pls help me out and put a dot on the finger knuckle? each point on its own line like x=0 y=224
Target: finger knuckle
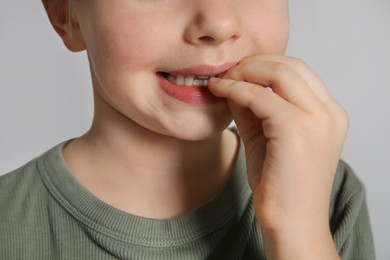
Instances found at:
x=279 y=69
x=342 y=119
x=235 y=85
x=298 y=62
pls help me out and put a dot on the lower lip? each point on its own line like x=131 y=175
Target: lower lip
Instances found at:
x=189 y=95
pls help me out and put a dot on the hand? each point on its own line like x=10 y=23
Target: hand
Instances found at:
x=293 y=132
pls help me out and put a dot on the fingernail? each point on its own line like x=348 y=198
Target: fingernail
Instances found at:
x=214 y=79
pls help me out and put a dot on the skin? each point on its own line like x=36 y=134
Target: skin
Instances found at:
x=171 y=157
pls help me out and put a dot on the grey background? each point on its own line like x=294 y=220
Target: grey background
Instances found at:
x=45 y=95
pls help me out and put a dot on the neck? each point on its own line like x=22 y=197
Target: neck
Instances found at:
x=148 y=174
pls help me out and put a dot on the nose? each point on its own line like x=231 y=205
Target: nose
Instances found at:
x=213 y=22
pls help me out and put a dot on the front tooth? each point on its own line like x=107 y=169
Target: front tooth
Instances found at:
x=189 y=80
x=180 y=80
x=198 y=82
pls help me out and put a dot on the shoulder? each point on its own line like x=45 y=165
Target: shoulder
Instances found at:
x=26 y=182
x=347 y=186
x=24 y=189
x=18 y=188
x=19 y=180
x=348 y=193
x=349 y=216
x=24 y=214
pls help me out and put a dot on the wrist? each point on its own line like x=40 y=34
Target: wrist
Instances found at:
x=299 y=240
x=292 y=233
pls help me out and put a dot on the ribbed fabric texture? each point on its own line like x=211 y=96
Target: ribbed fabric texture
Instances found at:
x=46 y=214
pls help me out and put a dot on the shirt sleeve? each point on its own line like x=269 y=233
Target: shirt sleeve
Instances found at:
x=349 y=216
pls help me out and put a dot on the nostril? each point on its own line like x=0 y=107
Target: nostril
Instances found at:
x=207 y=39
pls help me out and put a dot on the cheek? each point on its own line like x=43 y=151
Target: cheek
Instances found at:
x=269 y=27
x=126 y=43
x=120 y=60
x=118 y=49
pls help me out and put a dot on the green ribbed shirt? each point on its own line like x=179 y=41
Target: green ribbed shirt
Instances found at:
x=46 y=214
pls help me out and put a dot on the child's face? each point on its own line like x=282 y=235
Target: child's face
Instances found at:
x=132 y=44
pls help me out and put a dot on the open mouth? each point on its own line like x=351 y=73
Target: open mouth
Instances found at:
x=190 y=80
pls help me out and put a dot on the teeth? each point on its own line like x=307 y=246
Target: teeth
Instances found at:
x=200 y=82
x=203 y=77
x=189 y=81
x=180 y=80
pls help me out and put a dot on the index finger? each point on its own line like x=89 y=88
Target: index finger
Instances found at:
x=284 y=81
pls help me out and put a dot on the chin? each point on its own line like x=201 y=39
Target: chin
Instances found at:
x=189 y=123
x=196 y=131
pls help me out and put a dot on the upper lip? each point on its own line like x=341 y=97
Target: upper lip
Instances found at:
x=203 y=70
